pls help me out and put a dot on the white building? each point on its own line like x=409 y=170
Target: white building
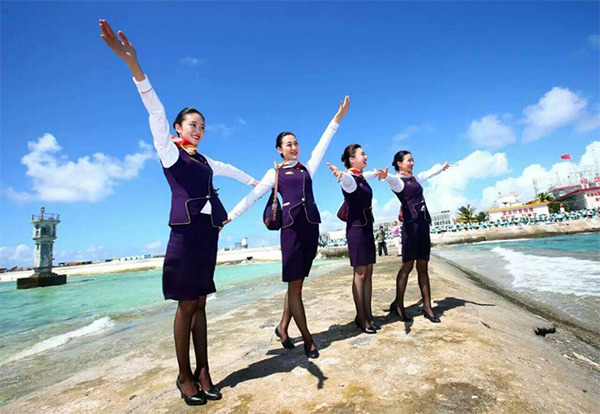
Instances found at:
x=518 y=211
x=582 y=196
x=442 y=218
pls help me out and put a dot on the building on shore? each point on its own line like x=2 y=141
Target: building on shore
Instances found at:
x=44 y=234
x=442 y=218
x=585 y=195
x=518 y=211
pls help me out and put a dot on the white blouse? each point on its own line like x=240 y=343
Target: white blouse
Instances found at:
x=167 y=150
x=268 y=181
x=349 y=184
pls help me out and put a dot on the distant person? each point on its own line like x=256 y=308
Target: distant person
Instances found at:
x=358 y=197
x=416 y=242
x=396 y=235
x=300 y=222
x=196 y=218
x=562 y=208
x=381 y=245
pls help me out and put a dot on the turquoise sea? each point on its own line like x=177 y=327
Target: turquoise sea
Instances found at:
x=48 y=334
x=561 y=272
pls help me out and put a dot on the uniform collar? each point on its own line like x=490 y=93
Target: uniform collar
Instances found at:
x=291 y=164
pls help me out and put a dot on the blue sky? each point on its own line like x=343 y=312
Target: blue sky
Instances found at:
x=501 y=90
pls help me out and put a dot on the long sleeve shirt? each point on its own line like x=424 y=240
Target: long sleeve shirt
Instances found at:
x=349 y=184
x=167 y=150
x=268 y=181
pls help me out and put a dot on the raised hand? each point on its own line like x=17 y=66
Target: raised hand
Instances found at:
x=122 y=48
x=336 y=172
x=382 y=174
x=445 y=166
x=343 y=110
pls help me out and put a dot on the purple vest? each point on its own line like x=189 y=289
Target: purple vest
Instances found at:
x=295 y=187
x=412 y=200
x=190 y=179
x=360 y=212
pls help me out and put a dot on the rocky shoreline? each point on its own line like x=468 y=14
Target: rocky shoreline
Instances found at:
x=483 y=357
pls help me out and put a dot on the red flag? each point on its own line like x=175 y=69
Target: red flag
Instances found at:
x=565 y=157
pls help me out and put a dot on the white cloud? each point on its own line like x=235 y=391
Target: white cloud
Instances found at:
x=55 y=178
x=21 y=256
x=561 y=173
x=154 y=246
x=446 y=190
x=490 y=132
x=558 y=107
x=409 y=131
x=330 y=221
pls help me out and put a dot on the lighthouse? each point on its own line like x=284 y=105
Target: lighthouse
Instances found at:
x=44 y=234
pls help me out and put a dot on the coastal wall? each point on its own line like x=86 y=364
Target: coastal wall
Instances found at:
x=517 y=232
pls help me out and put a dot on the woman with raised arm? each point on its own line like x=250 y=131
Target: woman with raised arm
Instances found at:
x=358 y=197
x=416 y=242
x=300 y=222
x=196 y=218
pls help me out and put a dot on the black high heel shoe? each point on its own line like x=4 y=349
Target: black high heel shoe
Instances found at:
x=375 y=326
x=433 y=318
x=197 y=399
x=287 y=344
x=212 y=394
x=394 y=310
x=314 y=354
x=368 y=330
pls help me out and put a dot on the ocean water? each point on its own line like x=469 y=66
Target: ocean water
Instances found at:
x=50 y=333
x=561 y=272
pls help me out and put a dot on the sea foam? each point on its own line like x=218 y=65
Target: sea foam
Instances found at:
x=60 y=340
x=560 y=274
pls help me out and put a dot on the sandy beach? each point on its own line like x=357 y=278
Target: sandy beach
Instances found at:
x=483 y=357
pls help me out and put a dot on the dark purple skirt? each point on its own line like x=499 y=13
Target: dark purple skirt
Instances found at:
x=190 y=261
x=361 y=245
x=299 y=244
x=416 y=243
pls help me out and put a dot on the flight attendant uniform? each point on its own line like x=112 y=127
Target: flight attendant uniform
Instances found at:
x=416 y=242
x=299 y=235
x=196 y=213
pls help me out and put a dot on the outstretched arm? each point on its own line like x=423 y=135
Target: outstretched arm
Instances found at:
x=344 y=178
x=317 y=155
x=424 y=176
x=159 y=125
x=265 y=185
x=228 y=170
x=395 y=182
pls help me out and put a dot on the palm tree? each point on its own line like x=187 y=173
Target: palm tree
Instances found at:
x=465 y=214
x=481 y=217
x=553 y=206
x=544 y=196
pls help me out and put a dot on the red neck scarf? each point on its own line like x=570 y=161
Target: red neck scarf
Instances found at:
x=185 y=144
x=356 y=172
